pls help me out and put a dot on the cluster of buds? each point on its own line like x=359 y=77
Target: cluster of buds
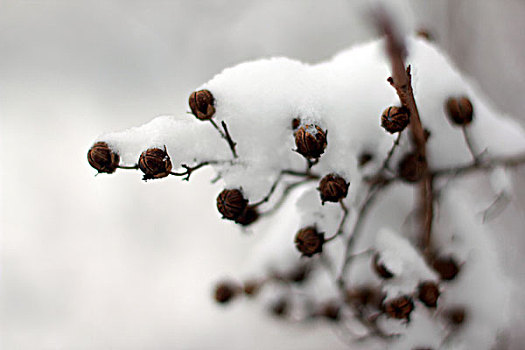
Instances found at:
x=233 y=206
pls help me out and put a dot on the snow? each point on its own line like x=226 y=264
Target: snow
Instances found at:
x=345 y=96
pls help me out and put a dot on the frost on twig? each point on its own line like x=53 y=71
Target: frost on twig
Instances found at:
x=302 y=148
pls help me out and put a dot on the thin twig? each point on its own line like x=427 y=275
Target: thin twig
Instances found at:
x=470 y=146
x=508 y=162
x=190 y=170
x=134 y=167
x=340 y=228
x=225 y=135
x=386 y=163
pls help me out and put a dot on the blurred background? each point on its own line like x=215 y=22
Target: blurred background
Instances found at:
x=113 y=262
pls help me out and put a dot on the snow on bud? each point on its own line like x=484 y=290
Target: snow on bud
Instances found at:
x=310 y=141
x=155 y=163
x=102 y=158
x=202 y=104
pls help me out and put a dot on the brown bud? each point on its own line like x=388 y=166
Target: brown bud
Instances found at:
x=295 y=123
x=380 y=268
x=155 y=163
x=309 y=242
x=428 y=293
x=225 y=291
x=310 y=141
x=251 y=287
x=459 y=110
x=248 y=216
x=298 y=274
x=425 y=34
x=201 y=104
x=399 y=308
x=333 y=188
x=364 y=296
x=456 y=316
x=102 y=158
x=331 y=311
x=395 y=119
x=364 y=158
x=280 y=308
x=446 y=267
x=231 y=204
x=411 y=168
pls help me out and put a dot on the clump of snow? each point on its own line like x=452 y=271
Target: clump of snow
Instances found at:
x=345 y=96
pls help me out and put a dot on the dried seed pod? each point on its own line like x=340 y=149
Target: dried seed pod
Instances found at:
x=308 y=241
x=102 y=158
x=225 y=291
x=411 y=168
x=251 y=287
x=395 y=119
x=364 y=158
x=248 y=216
x=202 y=104
x=296 y=122
x=333 y=188
x=428 y=293
x=364 y=296
x=380 y=268
x=446 y=267
x=310 y=141
x=399 y=308
x=456 y=316
x=298 y=274
x=231 y=204
x=330 y=310
x=280 y=308
x=155 y=163
x=459 y=110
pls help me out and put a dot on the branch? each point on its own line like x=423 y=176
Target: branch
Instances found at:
x=225 y=135
x=508 y=162
x=401 y=81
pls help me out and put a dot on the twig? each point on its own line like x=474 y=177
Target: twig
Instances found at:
x=484 y=165
x=225 y=135
x=386 y=163
x=190 y=170
x=401 y=81
x=128 y=166
x=356 y=230
x=341 y=223
x=468 y=141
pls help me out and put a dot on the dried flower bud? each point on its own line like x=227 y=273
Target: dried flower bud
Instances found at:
x=364 y=158
x=280 y=308
x=333 y=188
x=310 y=141
x=331 y=311
x=225 y=291
x=231 y=204
x=296 y=122
x=428 y=293
x=298 y=274
x=309 y=242
x=425 y=34
x=395 y=119
x=399 y=308
x=364 y=296
x=251 y=287
x=459 y=110
x=446 y=267
x=380 y=268
x=201 y=104
x=102 y=158
x=455 y=316
x=248 y=216
x=411 y=168
x=155 y=163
